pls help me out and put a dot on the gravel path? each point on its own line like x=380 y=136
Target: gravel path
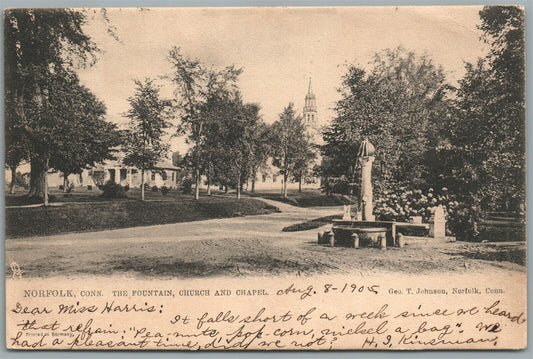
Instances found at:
x=241 y=246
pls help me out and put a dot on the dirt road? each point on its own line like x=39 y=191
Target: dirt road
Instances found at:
x=243 y=246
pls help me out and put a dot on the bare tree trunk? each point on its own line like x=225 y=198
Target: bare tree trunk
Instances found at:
x=253 y=185
x=300 y=184
x=197 y=186
x=13 y=177
x=45 y=184
x=208 y=185
x=142 y=184
x=226 y=189
x=239 y=184
x=285 y=184
x=65 y=182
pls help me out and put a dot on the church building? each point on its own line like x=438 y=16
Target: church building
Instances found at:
x=270 y=179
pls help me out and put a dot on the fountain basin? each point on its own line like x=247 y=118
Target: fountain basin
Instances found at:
x=346 y=228
x=368 y=236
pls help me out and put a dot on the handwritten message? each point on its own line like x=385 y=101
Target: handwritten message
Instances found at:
x=308 y=315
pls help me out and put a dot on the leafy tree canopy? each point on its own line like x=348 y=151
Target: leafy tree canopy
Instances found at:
x=289 y=143
x=81 y=135
x=399 y=106
x=487 y=132
x=148 y=115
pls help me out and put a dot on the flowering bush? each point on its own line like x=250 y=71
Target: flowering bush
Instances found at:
x=402 y=203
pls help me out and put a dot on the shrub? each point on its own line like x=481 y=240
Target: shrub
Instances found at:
x=164 y=190
x=462 y=218
x=464 y=221
x=89 y=188
x=155 y=189
x=113 y=190
x=126 y=188
x=186 y=186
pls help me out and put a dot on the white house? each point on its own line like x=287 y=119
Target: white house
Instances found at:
x=164 y=174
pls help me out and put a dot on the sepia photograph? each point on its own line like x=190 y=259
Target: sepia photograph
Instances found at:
x=265 y=178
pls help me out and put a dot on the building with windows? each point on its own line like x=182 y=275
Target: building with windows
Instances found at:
x=163 y=174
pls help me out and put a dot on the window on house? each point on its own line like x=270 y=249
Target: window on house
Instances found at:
x=274 y=178
x=264 y=178
x=172 y=176
x=153 y=175
x=164 y=175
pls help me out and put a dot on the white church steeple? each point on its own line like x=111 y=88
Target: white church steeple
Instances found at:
x=309 y=112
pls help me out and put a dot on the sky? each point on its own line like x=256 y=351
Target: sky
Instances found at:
x=279 y=49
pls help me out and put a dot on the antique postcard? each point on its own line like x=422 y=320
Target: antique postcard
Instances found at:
x=270 y=178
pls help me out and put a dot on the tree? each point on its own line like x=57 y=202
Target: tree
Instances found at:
x=399 y=106
x=289 y=143
x=487 y=131
x=195 y=85
x=16 y=146
x=40 y=46
x=177 y=159
x=83 y=137
x=148 y=120
x=241 y=140
x=261 y=150
x=302 y=167
x=231 y=134
x=15 y=154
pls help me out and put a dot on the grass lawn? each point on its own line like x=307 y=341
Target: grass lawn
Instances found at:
x=312 y=224
x=82 y=194
x=89 y=212
x=307 y=198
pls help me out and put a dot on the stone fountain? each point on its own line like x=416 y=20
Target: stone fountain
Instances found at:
x=363 y=230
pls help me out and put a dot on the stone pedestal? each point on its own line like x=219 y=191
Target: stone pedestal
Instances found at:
x=382 y=242
x=329 y=238
x=366 y=188
x=355 y=240
x=400 y=241
x=437 y=223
